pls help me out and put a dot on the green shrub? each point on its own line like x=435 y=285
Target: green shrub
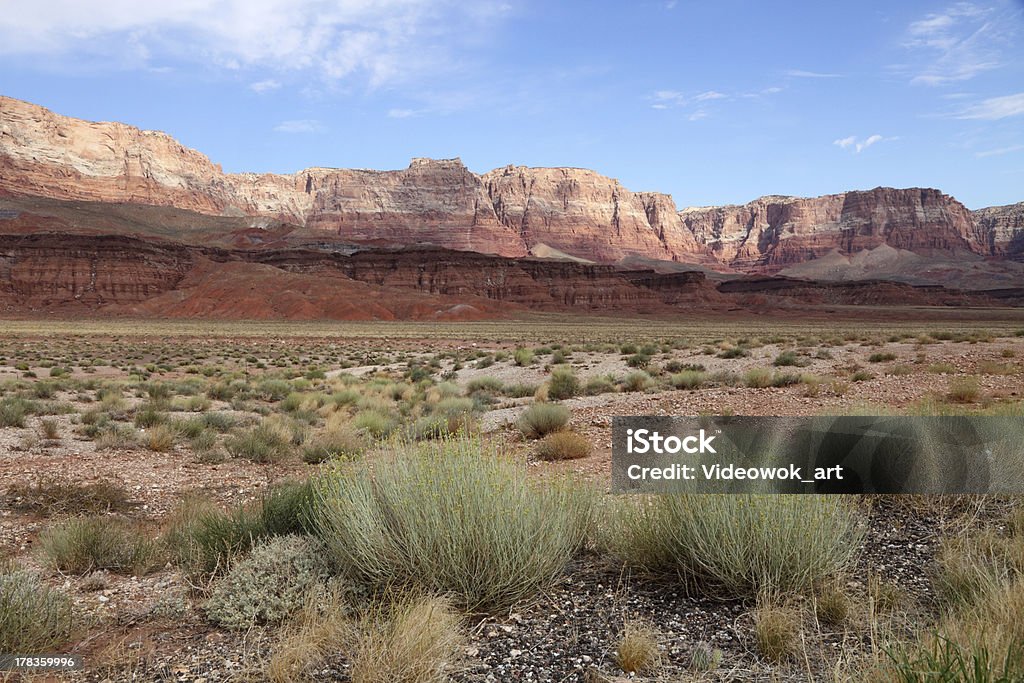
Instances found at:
x=375 y=423
x=687 y=379
x=964 y=390
x=33 y=617
x=456 y=519
x=736 y=545
x=117 y=437
x=340 y=443
x=638 y=360
x=523 y=357
x=519 y=390
x=540 y=419
x=788 y=359
x=13 y=412
x=563 y=446
x=266 y=442
x=86 y=544
x=268 y=585
x=564 y=384
x=637 y=380
x=734 y=352
x=485 y=385
x=202 y=539
x=881 y=357
x=943 y=661
x=599 y=385
x=757 y=378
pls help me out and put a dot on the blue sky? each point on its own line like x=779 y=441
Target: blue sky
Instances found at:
x=713 y=102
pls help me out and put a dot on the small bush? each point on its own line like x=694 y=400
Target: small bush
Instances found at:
x=564 y=384
x=637 y=381
x=963 y=390
x=687 y=379
x=638 y=360
x=33 y=617
x=637 y=650
x=777 y=632
x=117 y=437
x=861 y=376
x=881 y=357
x=268 y=585
x=54 y=497
x=757 y=378
x=734 y=352
x=266 y=442
x=563 y=446
x=736 y=545
x=203 y=539
x=86 y=544
x=540 y=419
x=375 y=423
x=788 y=359
x=523 y=357
x=13 y=412
x=397 y=527
x=160 y=438
x=341 y=443
x=599 y=385
x=415 y=641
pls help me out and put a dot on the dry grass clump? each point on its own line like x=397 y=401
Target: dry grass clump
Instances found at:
x=268 y=441
x=563 y=384
x=637 y=650
x=541 y=419
x=338 y=441
x=160 y=438
x=311 y=638
x=963 y=390
x=688 y=379
x=413 y=641
x=50 y=496
x=776 y=631
x=454 y=518
x=563 y=446
x=737 y=545
x=33 y=617
x=86 y=544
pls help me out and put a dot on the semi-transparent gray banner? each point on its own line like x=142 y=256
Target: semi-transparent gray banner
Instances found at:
x=906 y=454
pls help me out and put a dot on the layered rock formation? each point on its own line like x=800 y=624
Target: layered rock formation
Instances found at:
x=1003 y=228
x=771 y=233
x=512 y=211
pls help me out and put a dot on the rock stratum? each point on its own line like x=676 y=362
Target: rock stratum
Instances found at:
x=105 y=215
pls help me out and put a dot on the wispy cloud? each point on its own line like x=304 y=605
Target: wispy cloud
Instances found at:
x=378 y=43
x=404 y=113
x=265 y=86
x=698 y=115
x=999 y=151
x=956 y=44
x=663 y=99
x=709 y=95
x=801 y=73
x=857 y=145
x=995 y=108
x=300 y=126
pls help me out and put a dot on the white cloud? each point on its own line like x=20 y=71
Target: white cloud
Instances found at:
x=800 y=73
x=995 y=108
x=956 y=44
x=663 y=99
x=709 y=95
x=698 y=115
x=300 y=126
x=858 y=145
x=999 y=151
x=265 y=86
x=404 y=113
x=380 y=41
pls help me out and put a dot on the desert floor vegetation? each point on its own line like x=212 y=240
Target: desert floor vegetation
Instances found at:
x=428 y=502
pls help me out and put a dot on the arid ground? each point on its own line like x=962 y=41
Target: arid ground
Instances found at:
x=137 y=459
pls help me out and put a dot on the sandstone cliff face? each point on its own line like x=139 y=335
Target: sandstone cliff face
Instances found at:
x=509 y=211
x=773 y=232
x=1003 y=228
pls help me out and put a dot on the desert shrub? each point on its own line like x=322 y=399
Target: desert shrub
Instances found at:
x=963 y=390
x=273 y=389
x=736 y=545
x=757 y=378
x=784 y=379
x=148 y=416
x=788 y=359
x=687 y=379
x=941 y=369
x=202 y=539
x=776 y=632
x=376 y=423
x=413 y=641
x=221 y=422
x=85 y=544
x=55 y=497
x=266 y=442
x=339 y=442
x=523 y=357
x=599 y=385
x=637 y=380
x=563 y=446
x=160 y=438
x=485 y=385
x=33 y=617
x=268 y=585
x=637 y=650
x=13 y=411
x=861 y=376
x=519 y=390
x=564 y=384
x=881 y=357
x=734 y=352
x=540 y=419
x=116 y=437
x=406 y=524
